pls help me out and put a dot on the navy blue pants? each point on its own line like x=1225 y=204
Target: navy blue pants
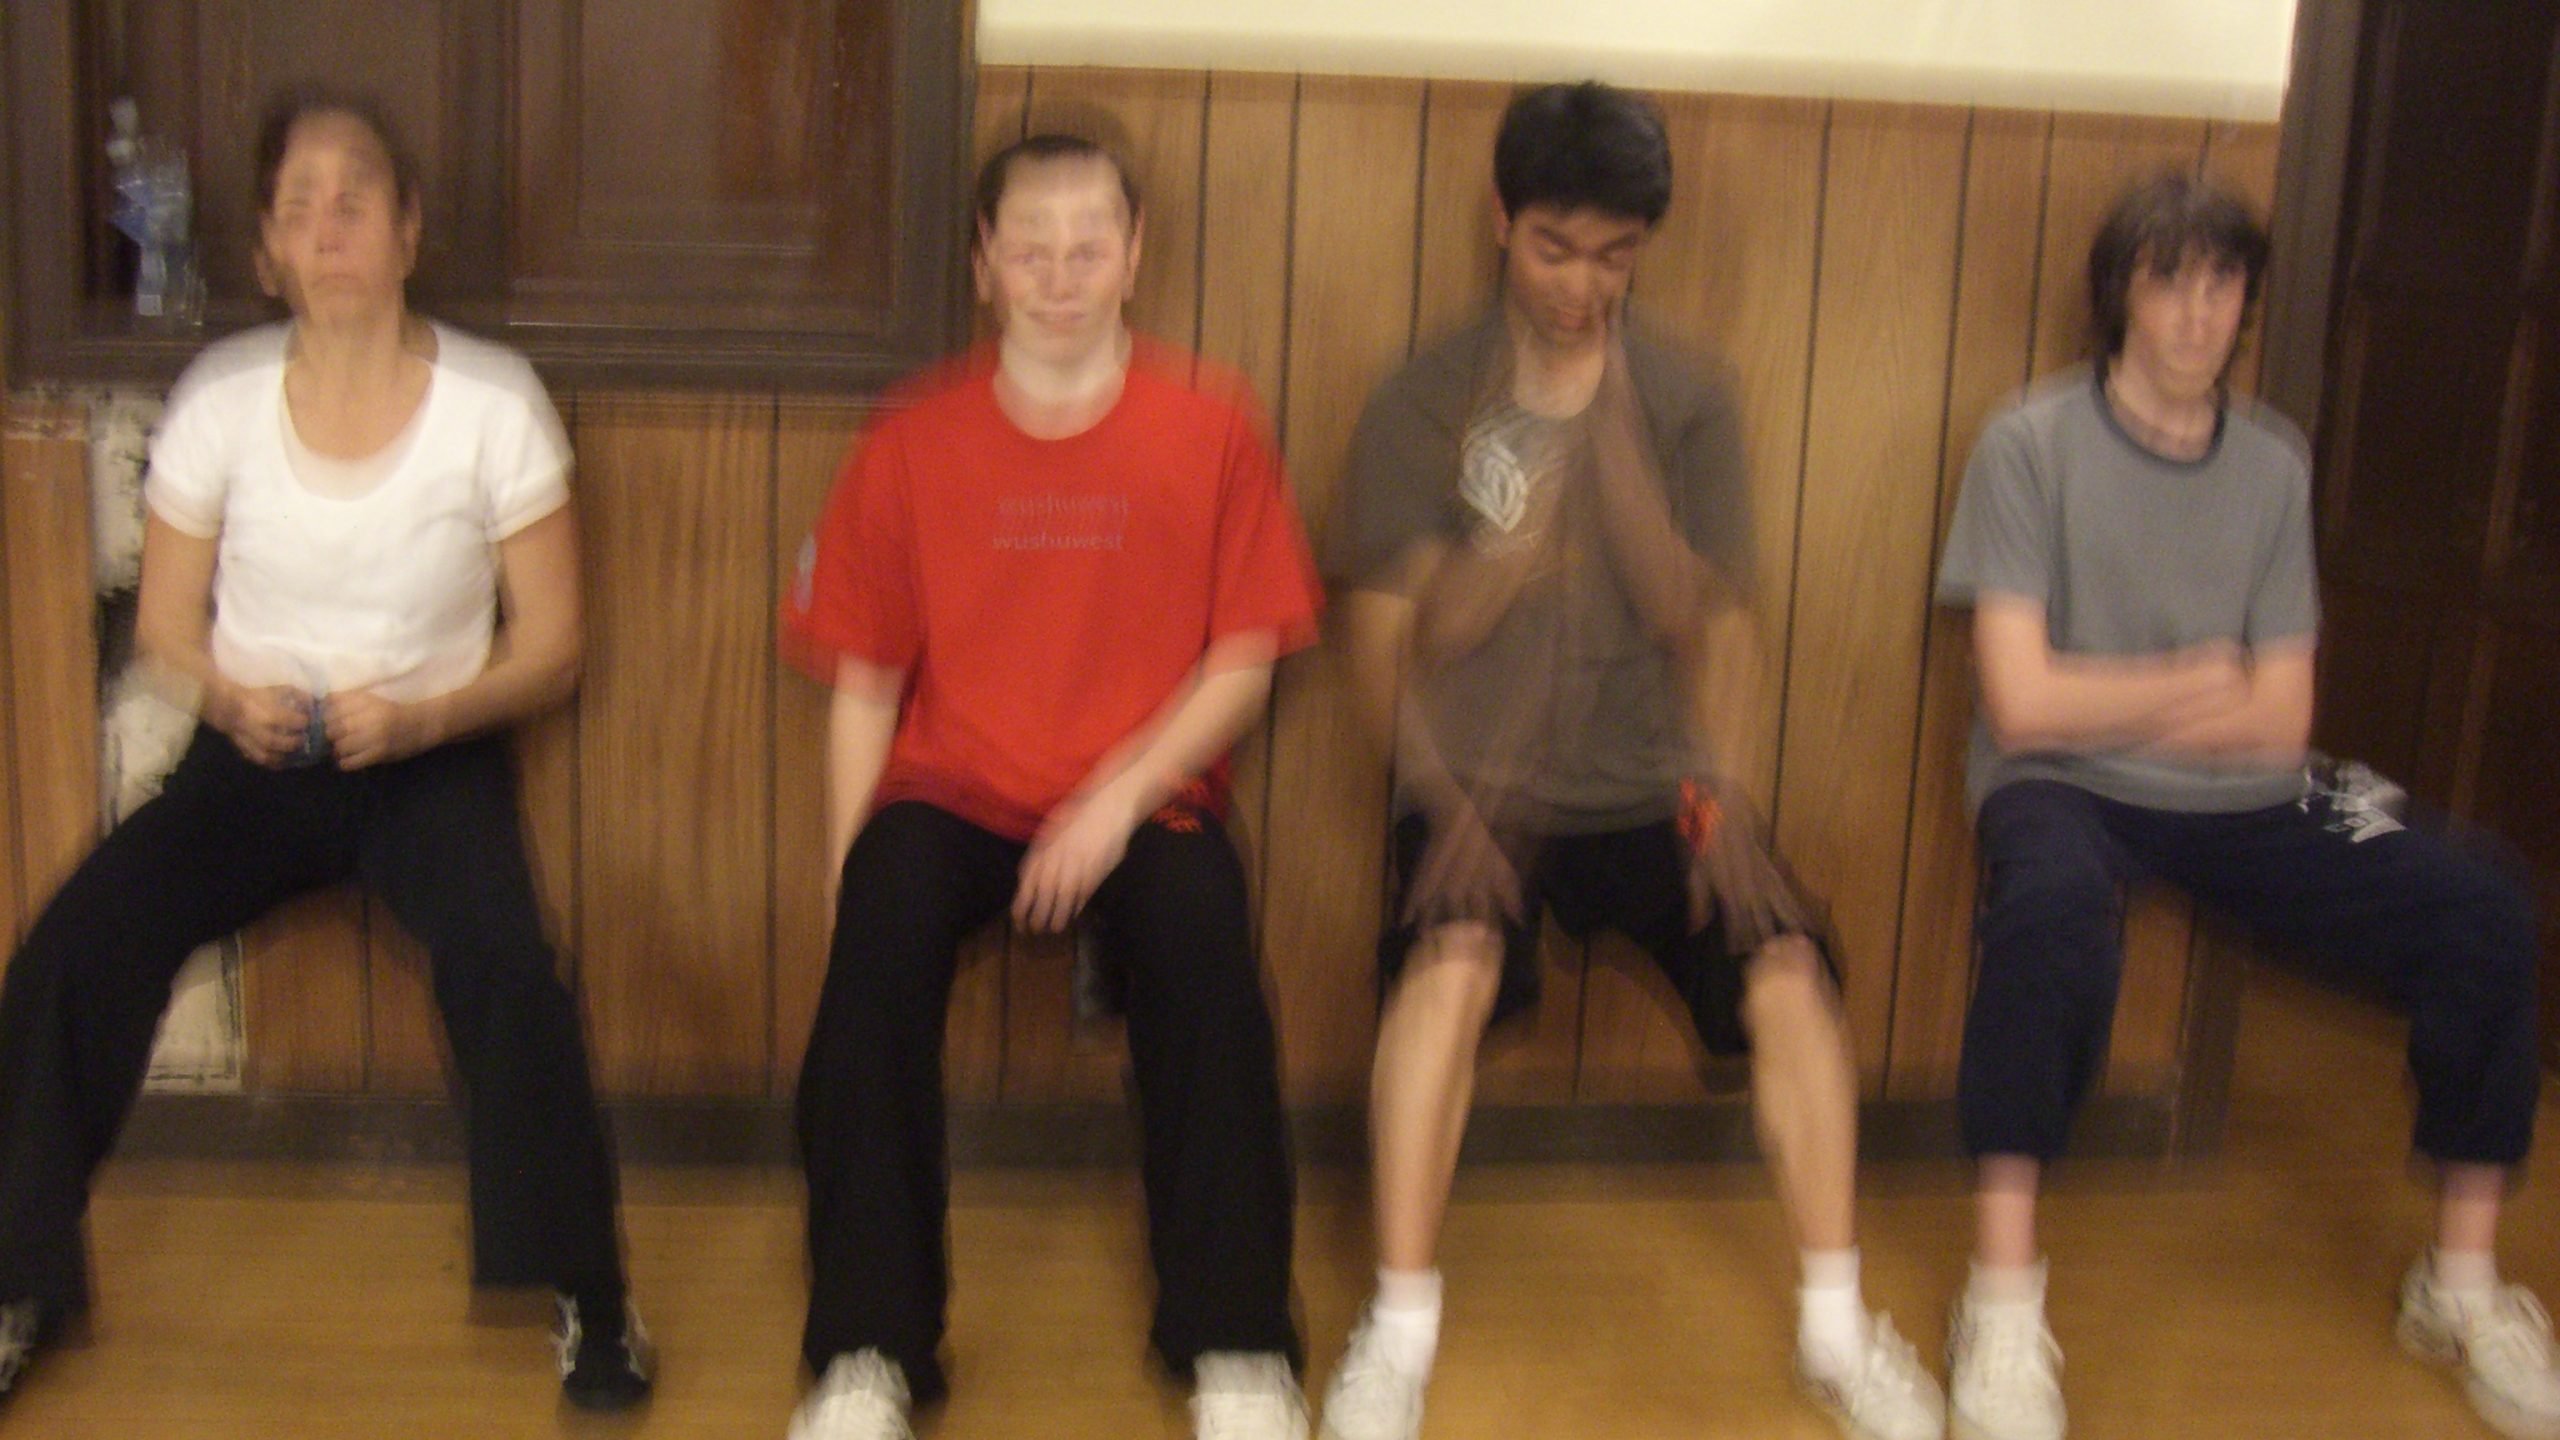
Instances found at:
x=2446 y=930
x=436 y=837
x=1216 y=1169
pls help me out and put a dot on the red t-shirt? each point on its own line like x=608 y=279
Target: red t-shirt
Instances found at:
x=1046 y=597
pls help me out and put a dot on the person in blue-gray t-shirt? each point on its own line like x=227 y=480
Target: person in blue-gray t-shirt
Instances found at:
x=2135 y=545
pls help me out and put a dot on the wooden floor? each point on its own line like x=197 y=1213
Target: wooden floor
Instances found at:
x=2245 y=1297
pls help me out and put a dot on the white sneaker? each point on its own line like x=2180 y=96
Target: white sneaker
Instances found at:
x=2504 y=1349
x=17 y=1341
x=2003 y=1373
x=1887 y=1397
x=863 y=1396
x=1246 y=1395
x=1369 y=1396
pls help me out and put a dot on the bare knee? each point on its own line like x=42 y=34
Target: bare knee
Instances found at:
x=1454 y=972
x=1785 y=987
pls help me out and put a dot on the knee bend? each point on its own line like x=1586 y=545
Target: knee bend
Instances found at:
x=1785 y=982
x=1454 y=970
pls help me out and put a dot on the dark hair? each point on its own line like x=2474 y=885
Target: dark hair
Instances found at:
x=997 y=173
x=1586 y=145
x=2166 y=224
x=292 y=106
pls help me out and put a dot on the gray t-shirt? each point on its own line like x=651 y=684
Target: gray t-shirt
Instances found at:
x=1570 y=679
x=2133 y=554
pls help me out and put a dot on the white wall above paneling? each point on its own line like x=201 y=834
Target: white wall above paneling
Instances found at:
x=2221 y=59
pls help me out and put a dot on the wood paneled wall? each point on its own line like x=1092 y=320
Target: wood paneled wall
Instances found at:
x=1879 y=275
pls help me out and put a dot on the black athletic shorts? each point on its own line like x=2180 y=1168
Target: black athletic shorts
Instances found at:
x=1635 y=882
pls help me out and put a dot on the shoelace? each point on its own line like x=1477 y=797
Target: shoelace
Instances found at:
x=2012 y=1353
x=1890 y=1367
x=573 y=1332
x=2513 y=1338
x=1370 y=1391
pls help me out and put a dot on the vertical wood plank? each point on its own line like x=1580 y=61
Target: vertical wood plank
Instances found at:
x=1248 y=137
x=1994 y=328
x=302 y=995
x=1461 y=271
x=1159 y=115
x=53 y=648
x=1730 y=273
x=403 y=1034
x=1350 y=322
x=1893 y=184
x=2243 y=156
x=675 y=722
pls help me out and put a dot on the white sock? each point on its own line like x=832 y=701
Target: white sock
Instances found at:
x=1831 y=1315
x=2470 y=1277
x=2021 y=1285
x=1405 y=1319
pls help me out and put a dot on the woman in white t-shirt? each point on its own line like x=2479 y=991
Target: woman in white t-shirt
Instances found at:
x=340 y=508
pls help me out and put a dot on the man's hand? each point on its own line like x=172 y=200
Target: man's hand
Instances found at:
x=266 y=725
x=365 y=729
x=1076 y=850
x=1732 y=872
x=1464 y=875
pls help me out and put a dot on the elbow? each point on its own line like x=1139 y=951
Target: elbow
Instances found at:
x=2013 y=724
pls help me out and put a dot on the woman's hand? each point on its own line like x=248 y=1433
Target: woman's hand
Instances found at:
x=365 y=729
x=266 y=725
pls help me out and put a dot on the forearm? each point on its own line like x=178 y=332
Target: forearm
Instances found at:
x=862 y=719
x=520 y=681
x=1720 y=672
x=2270 y=727
x=1223 y=698
x=2036 y=699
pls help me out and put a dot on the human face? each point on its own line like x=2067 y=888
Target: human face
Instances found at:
x=1060 y=259
x=338 y=240
x=2180 y=327
x=1565 y=271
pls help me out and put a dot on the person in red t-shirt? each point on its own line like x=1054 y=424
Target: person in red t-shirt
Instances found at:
x=1048 y=592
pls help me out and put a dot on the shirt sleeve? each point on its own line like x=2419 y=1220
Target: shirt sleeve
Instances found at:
x=853 y=595
x=189 y=479
x=1711 y=484
x=2286 y=603
x=2002 y=538
x=524 y=456
x=1395 y=488
x=1265 y=579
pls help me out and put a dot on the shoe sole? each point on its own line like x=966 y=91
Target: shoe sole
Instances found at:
x=1841 y=1418
x=2503 y=1415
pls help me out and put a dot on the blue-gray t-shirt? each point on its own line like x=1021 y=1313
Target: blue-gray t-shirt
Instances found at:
x=2134 y=554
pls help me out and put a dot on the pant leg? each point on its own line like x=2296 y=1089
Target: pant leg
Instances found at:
x=1220 y=1190
x=2438 y=919
x=443 y=847
x=872 y=1131
x=222 y=843
x=2049 y=940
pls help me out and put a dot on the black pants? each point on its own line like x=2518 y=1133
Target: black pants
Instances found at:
x=2448 y=933
x=1216 y=1165
x=436 y=837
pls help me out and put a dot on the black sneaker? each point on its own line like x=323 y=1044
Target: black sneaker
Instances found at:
x=20 y=1328
x=604 y=1362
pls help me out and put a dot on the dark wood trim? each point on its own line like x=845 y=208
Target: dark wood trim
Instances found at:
x=2311 y=193
x=320 y=1129
x=57 y=334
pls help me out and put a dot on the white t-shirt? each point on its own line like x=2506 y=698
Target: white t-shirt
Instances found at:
x=392 y=590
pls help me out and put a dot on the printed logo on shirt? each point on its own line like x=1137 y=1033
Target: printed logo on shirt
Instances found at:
x=1492 y=476
x=1062 y=522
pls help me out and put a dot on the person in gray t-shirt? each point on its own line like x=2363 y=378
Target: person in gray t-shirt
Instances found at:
x=2135 y=544
x=1546 y=518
